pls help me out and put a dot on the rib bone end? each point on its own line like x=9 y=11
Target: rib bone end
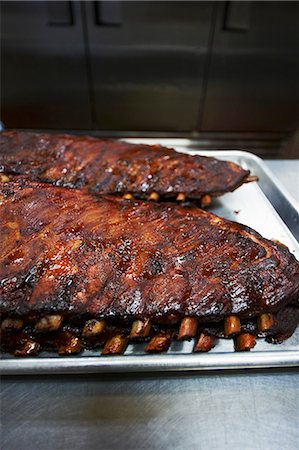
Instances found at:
x=232 y=326
x=140 y=329
x=49 y=323
x=154 y=196
x=251 y=178
x=71 y=344
x=205 y=200
x=265 y=322
x=128 y=196
x=4 y=178
x=245 y=342
x=29 y=348
x=115 y=345
x=93 y=327
x=204 y=344
x=11 y=324
x=181 y=197
x=188 y=328
x=159 y=343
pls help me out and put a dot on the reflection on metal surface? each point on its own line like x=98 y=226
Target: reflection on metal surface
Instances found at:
x=253 y=74
x=150 y=66
x=147 y=72
x=151 y=363
x=43 y=71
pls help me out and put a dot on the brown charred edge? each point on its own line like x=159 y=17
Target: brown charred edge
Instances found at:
x=245 y=342
x=205 y=200
x=181 y=197
x=232 y=326
x=140 y=329
x=154 y=196
x=159 y=343
x=116 y=345
x=93 y=327
x=204 y=343
x=28 y=348
x=51 y=322
x=69 y=344
x=10 y=324
x=4 y=178
x=276 y=241
x=128 y=196
x=250 y=179
x=188 y=328
x=265 y=322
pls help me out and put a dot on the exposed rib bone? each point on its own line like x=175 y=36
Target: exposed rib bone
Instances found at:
x=128 y=196
x=205 y=343
x=232 y=326
x=244 y=342
x=11 y=324
x=181 y=197
x=29 y=348
x=265 y=322
x=140 y=329
x=188 y=328
x=93 y=327
x=205 y=200
x=154 y=196
x=251 y=178
x=159 y=343
x=71 y=344
x=115 y=345
x=49 y=323
x=4 y=178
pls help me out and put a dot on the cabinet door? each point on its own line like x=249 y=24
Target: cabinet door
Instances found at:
x=147 y=63
x=253 y=76
x=44 y=81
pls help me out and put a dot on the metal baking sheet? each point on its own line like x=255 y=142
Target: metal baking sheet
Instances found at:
x=264 y=206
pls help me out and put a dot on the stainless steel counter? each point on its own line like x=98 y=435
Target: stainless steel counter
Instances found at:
x=217 y=410
x=287 y=173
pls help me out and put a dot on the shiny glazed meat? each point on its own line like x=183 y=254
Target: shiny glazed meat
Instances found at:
x=69 y=254
x=114 y=167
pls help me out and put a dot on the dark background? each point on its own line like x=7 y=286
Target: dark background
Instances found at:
x=221 y=71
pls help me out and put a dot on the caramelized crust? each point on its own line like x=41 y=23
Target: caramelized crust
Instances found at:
x=65 y=252
x=115 y=167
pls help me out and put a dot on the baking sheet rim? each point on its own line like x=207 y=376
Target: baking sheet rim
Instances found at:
x=151 y=363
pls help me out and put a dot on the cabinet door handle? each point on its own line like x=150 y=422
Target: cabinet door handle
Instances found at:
x=108 y=13
x=60 y=13
x=237 y=16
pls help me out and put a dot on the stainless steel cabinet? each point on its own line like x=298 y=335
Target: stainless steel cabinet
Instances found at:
x=252 y=82
x=147 y=63
x=44 y=82
x=150 y=66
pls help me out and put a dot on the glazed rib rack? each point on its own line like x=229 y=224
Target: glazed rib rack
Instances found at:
x=118 y=168
x=83 y=272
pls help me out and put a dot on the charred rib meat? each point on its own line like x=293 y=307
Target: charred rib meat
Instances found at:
x=114 y=167
x=78 y=271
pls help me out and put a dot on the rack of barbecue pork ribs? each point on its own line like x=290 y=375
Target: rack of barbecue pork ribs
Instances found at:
x=87 y=262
